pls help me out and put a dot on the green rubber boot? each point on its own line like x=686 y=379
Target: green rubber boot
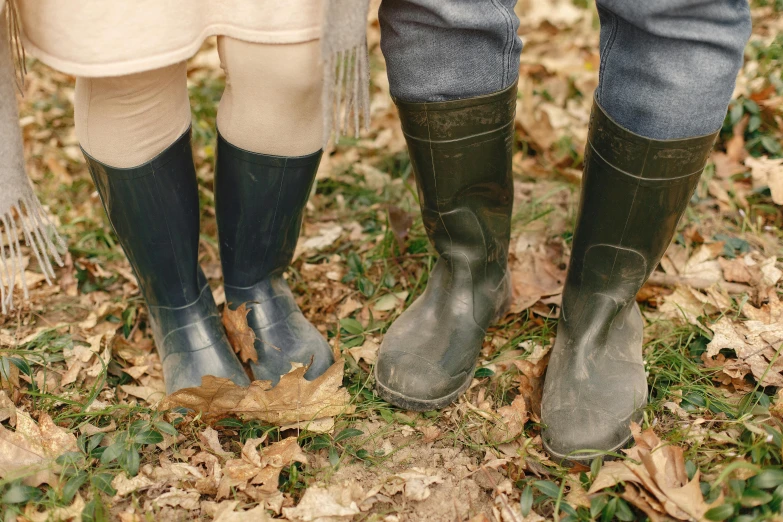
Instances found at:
x=461 y=155
x=153 y=209
x=634 y=191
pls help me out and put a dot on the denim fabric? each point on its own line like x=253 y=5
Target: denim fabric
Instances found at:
x=438 y=50
x=668 y=67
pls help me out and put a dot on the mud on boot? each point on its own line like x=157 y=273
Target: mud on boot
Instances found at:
x=461 y=155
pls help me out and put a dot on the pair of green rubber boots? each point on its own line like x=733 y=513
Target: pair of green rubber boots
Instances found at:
x=634 y=191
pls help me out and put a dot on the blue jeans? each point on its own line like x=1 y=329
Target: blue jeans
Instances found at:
x=668 y=67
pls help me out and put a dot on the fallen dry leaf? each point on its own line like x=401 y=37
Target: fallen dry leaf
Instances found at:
x=702 y=264
x=735 y=270
x=328 y=234
x=661 y=473
x=149 y=394
x=260 y=468
x=178 y=498
x=72 y=512
x=30 y=451
x=725 y=167
x=577 y=496
x=400 y=222
x=753 y=269
x=90 y=429
x=240 y=335
x=293 y=400
x=208 y=485
x=224 y=512
x=689 y=304
x=368 y=351
x=325 y=425
x=125 y=485
x=510 y=422
x=413 y=484
x=757 y=342
x=533 y=121
x=531 y=378
x=534 y=276
x=735 y=147
x=7 y=409
x=389 y=302
x=320 y=504
x=644 y=501
x=767 y=172
x=777 y=405
x=430 y=433
x=348 y=307
x=209 y=437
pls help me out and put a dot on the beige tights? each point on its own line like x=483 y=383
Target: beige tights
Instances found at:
x=271 y=105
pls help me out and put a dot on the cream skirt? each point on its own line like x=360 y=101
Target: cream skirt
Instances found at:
x=95 y=38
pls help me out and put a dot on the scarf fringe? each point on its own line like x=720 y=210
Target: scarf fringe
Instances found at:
x=26 y=220
x=17 y=49
x=346 y=94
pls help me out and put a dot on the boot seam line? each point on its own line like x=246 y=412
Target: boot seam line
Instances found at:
x=429 y=140
x=641 y=177
x=161 y=307
x=202 y=320
x=168 y=354
x=628 y=217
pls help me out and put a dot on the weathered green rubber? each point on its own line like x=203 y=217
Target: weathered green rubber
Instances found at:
x=634 y=191
x=461 y=156
x=153 y=209
x=259 y=203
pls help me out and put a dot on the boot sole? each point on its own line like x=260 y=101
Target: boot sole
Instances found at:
x=585 y=459
x=568 y=461
x=413 y=404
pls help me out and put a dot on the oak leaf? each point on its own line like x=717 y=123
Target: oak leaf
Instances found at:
x=260 y=468
x=292 y=400
x=658 y=469
x=240 y=335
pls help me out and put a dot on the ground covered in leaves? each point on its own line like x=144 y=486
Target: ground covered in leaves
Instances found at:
x=86 y=433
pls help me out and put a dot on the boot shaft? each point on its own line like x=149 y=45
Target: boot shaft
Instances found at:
x=460 y=152
x=634 y=191
x=259 y=202
x=154 y=211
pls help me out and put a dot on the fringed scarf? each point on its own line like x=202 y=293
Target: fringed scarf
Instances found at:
x=346 y=106
x=21 y=214
x=346 y=93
